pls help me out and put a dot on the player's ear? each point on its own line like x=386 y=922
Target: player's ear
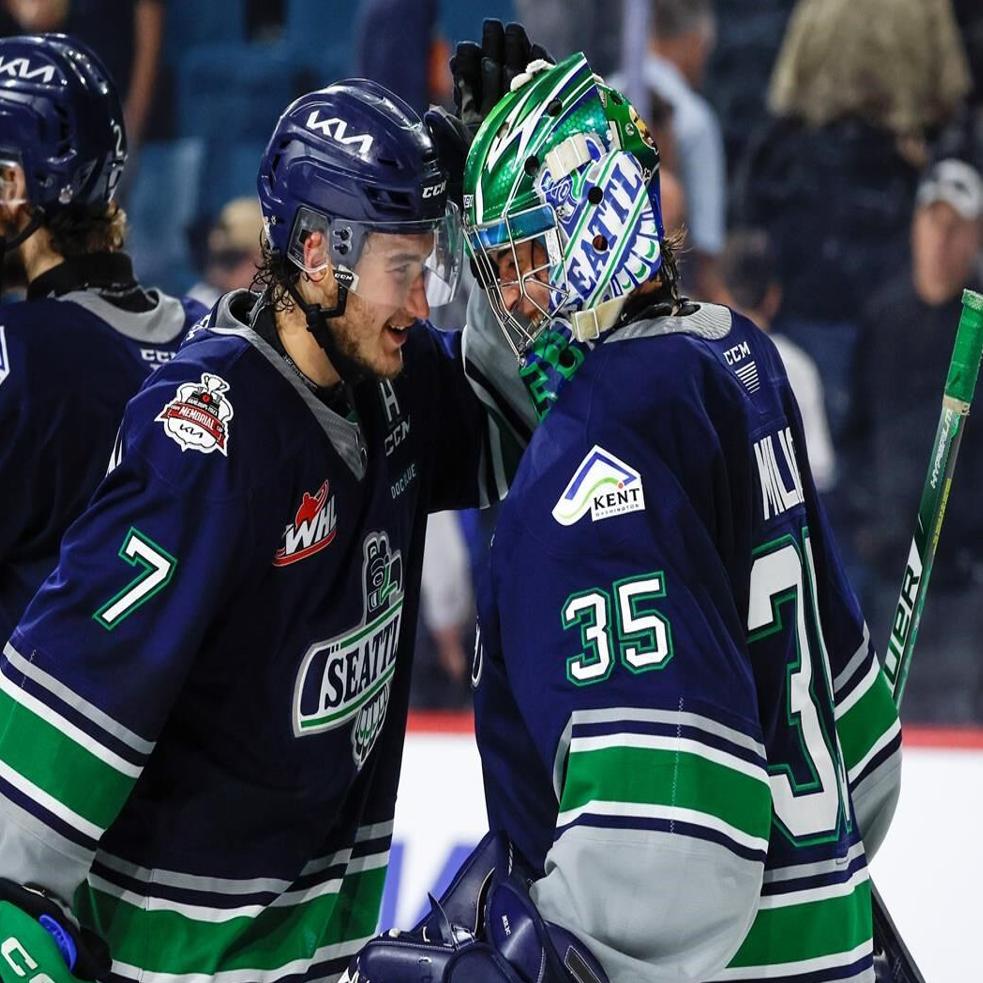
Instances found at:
x=316 y=255
x=13 y=189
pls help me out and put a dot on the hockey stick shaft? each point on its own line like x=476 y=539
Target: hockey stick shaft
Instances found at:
x=960 y=386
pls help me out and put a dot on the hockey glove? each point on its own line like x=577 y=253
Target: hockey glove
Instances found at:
x=483 y=73
x=484 y=929
x=452 y=140
x=40 y=939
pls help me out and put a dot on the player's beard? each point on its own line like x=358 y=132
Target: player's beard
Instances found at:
x=349 y=342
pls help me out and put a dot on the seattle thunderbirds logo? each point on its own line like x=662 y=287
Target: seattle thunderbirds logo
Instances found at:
x=348 y=677
x=603 y=485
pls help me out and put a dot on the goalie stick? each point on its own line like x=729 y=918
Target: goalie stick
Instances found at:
x=960 y=386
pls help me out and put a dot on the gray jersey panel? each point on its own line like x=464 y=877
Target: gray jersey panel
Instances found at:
x=652 y=907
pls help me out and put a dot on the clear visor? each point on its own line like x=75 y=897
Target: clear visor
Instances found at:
x=392 y=264
x=519 y=262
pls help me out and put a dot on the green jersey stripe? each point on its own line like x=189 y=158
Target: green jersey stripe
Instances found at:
x=844 y=706
x=10 y=689
x=69 y=773
x=166 y=941
x=882 y=742
x=676 y=777
x=828 y=928
x=673 y=744
x=866 y=721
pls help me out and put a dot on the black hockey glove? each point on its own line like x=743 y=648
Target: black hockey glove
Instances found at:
x=484 y=929
x=452 y=140
x=483 y=73
x=42 y=936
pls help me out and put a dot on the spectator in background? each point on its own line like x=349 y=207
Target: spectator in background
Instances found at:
x=126 y=34
x=565 y=26
x=858 y=90
x=397 y=45
x=683 y=38
x=910 y=325
x=750 y=277
x=234 y=253
x=442 y=661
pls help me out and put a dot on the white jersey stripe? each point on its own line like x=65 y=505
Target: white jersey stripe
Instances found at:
x=816 y=869
x=790 y=898
x=50 y=803
x=882 y=742
x=76 y=702
x=860 y=690
x=298 y=966
x=90 y=744
x=636 y=810
x=801 y=967
x=681 y=718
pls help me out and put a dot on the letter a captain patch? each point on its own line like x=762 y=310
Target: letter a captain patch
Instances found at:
x=602 y=484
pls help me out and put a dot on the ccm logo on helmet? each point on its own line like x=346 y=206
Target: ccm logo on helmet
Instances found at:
x=434 y=191
x=11 y=948
x=21 y=68
x=335 y=129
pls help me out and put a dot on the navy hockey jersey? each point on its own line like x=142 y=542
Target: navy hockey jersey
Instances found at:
x=682 y=723
x=206 y=700
x=70 y=358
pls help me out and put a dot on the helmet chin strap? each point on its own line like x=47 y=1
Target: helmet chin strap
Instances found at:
x=317 y=323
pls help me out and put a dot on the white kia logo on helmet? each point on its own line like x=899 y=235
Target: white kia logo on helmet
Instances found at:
x=336 y=129
x=22 y=68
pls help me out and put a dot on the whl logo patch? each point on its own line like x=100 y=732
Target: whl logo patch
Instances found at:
x=197 y=419
x=603 y=485
x=313 y=528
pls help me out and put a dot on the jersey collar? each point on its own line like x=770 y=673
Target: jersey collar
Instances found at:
x=101 y=271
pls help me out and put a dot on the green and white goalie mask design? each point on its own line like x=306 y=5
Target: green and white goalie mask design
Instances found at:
x=561 y=205
x=381 y=262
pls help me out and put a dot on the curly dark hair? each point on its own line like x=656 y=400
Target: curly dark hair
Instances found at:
x=77 y=230
x=668 y=275
x=274 y=276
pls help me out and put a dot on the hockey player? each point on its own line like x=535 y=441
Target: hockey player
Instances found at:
x=88 y=335
x=203 y=708
x=684 y=729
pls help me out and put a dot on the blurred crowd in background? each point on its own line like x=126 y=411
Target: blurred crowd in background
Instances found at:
x=821 y=158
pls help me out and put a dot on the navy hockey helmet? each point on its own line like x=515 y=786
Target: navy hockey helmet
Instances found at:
x=61 y=120
x=350 y=160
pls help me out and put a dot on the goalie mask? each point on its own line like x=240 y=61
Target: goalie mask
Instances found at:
x=562 y=211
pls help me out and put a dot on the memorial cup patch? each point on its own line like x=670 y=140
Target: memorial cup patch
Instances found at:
x=197 y=419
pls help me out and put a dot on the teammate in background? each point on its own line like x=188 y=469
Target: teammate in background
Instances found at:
x=750 y=276
x=88 y=334
x=684 y=729
x=233 y=251
x=204 y=705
